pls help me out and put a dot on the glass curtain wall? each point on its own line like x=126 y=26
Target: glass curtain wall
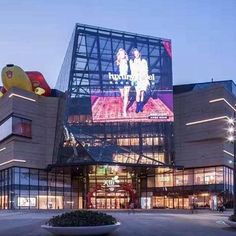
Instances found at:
x=24 y=188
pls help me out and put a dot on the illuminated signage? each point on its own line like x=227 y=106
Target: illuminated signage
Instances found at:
x=137 y=88
x=164 y=178
x=129 y=79
x=112 y=183
x=26 y=201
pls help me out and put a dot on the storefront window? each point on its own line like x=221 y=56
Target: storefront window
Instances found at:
x=188 y=177
x=210 y=175
x=178 y=178
x=158 y=202
x=34 y=188
x=199 y=176
x=170 y=202
x=202 y=200
x=219 y=175
x=43 y=200
x=164 y=180
x=186 y=204
x=176 y=203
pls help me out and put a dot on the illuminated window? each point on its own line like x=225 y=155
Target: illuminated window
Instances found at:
x=178 y=178
x=199 y=176
x=210 y=175
x=15 y=126
x=128 y=141
x=159 y=156
x=147 y=141
x=164 y=180
x=188 y=177
x=219 y=175
x=134 y=141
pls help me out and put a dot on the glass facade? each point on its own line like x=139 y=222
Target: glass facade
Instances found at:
x=105 y=135
x=114 y=187
x=103 y=87
x=176 y=189
x=24 y=188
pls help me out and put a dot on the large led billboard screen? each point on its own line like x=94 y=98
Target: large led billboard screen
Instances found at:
x=121 y=77
x=135 y=91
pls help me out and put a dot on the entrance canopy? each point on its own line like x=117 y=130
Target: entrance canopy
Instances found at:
x=79 y=148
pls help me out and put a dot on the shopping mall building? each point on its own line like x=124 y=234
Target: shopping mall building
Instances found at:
x=110 y=135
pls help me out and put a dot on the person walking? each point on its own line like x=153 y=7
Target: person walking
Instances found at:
x=131 y=206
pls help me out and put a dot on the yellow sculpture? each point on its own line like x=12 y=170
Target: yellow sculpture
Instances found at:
x=32 y=81
x=14 y=76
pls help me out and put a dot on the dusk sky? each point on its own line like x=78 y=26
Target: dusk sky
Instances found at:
x=35 y=34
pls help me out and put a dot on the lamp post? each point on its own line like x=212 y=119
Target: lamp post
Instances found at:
x=231 y=138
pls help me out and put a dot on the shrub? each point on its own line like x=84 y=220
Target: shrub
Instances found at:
x=81 y=218
x=232 y=218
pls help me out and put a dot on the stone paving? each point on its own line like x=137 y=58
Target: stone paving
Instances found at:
x=141 y=223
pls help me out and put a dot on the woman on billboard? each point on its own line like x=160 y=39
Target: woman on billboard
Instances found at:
x=122 y=63
x=139 y=71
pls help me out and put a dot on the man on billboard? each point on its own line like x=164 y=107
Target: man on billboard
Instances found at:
x=139 y=72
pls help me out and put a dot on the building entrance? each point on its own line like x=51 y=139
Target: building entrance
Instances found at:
x=110 y=188
x=111 y=200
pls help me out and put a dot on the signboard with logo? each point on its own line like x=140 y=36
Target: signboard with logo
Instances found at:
x=112 y=183
x=26 y=201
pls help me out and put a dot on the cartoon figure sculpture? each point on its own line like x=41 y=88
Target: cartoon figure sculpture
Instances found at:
x=32 y=81
x=39 y=84
x=2 y=91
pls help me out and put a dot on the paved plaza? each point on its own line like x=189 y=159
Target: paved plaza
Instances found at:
x=27 y=223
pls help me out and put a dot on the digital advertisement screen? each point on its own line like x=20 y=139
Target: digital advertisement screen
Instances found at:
x=138 y=88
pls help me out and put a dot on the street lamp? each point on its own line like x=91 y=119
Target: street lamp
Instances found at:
x=231 y=138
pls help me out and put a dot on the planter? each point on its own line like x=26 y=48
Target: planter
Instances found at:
x=231 y=223
x=82 y=230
